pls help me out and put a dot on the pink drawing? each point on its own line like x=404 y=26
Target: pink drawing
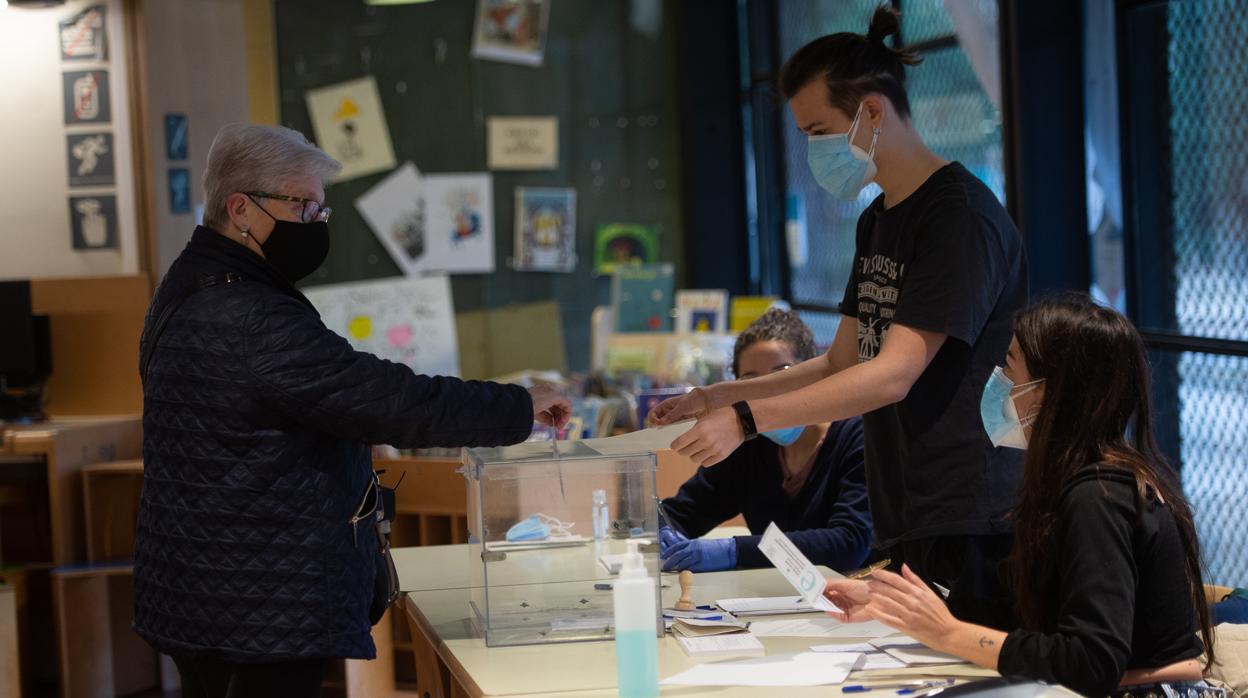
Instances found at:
x=400 y=336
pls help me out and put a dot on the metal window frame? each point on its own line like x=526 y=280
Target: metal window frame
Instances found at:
x=1148 y=222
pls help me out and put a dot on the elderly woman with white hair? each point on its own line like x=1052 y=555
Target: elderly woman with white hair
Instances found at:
x=256 y=555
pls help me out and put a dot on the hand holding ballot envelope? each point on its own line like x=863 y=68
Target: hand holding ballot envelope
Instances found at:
x=550 y=407
x=691 y=405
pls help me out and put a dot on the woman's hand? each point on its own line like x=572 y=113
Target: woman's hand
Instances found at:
x=851 y=596
x=694 y=403
x=712 y=439
x=905 y=603
x=550 y=407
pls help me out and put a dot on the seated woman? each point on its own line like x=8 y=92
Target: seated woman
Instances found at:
x=1105 y=571
x=808 y=480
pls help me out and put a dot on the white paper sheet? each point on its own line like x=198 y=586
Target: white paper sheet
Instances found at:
x=765 y=605
x=721 y=646
x=394 y=209
x=802 y=669
x=408 y=321
x=871 y=658
x=459 y=223
x=804 y=577
x=818 y=626
x=871 y=661
x=913 y=652
x=644 y=441
x=351 y=126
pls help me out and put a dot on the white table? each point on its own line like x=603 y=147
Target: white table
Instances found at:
x=452 y=659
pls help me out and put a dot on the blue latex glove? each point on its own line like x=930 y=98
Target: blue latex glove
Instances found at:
x=697 y=555
x=669 y=537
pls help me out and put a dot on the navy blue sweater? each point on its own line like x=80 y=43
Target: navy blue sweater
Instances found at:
x=828 y=520
x=257 y=421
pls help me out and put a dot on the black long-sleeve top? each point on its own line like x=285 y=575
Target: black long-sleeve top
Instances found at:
x=1120 y=592
x=828 y=520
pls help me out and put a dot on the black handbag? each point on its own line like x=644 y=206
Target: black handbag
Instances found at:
x=377 y=509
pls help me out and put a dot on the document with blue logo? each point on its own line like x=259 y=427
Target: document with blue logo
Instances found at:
x=805 y=577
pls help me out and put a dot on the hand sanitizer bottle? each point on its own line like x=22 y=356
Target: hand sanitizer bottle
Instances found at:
x=636 y=641
x=601 y=515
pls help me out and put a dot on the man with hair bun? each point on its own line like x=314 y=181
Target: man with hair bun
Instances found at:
x=939 y=272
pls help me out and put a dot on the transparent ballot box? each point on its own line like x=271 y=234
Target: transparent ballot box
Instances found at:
x=539 y=573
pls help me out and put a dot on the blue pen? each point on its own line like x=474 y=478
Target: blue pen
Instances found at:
x=905 y=684
x=698 y=618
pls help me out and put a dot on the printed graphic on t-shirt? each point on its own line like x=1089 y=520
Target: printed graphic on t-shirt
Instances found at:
x=879 y=281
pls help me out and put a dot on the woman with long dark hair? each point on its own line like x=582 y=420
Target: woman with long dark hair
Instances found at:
x=1106 y=569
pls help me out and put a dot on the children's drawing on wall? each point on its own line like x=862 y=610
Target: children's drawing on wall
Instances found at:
x=622 y=244
x=545 y=230
x=433 y=223
x=459 y=227
x=409 y=321
x=395 y=209
x=351 y=126
x=513 y=31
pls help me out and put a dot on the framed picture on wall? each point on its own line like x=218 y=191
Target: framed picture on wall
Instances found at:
x=512 y=31
x=545 y=230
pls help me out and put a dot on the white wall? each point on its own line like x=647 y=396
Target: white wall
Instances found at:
x=197 y=66
x=35 y=227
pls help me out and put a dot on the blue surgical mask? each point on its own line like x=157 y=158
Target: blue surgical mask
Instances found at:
x=538 y=527
x=785 y=437
x=1000 y=416
x=839 y=166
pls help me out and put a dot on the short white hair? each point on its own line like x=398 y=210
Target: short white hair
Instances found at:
x=254 y=157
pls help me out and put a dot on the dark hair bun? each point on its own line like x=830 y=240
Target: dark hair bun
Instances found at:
x=884 y=23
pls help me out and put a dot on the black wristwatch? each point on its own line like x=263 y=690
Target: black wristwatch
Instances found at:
x=746 y=418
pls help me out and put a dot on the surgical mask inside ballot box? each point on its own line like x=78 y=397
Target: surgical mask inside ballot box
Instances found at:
x=539 y=572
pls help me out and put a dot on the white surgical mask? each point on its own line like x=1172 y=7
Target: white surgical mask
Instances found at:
x=1000 y=416
x=839 y=166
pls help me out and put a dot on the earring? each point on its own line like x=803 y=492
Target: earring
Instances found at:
x=245 y=231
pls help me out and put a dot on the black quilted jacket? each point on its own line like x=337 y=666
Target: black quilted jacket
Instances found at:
x=257 y=421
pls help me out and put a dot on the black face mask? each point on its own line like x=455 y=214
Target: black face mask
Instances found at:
x=297 y=249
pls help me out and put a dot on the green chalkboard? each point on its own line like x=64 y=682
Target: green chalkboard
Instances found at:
x=607 y=75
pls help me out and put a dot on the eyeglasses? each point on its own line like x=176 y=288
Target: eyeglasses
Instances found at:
x=313 y=211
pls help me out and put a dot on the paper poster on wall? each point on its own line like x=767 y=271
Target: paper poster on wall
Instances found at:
x=642 y=297
x=179 y=190
x=701 y=311
x=84 y=36
x=408 y=321
x=351 y=126
x=624 y=243
x=175 y=136
x=522 y=143
x=545 y=230
x=90 y=159
x=93 y=220
x=86 y=97
x=395 y=209
x=513 y=31
x=459 y=223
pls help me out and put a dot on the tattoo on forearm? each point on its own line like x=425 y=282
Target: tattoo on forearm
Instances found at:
x=986 y=642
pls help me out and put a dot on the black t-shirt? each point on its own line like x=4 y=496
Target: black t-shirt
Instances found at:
x=946 y=259
x=1120 y=593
